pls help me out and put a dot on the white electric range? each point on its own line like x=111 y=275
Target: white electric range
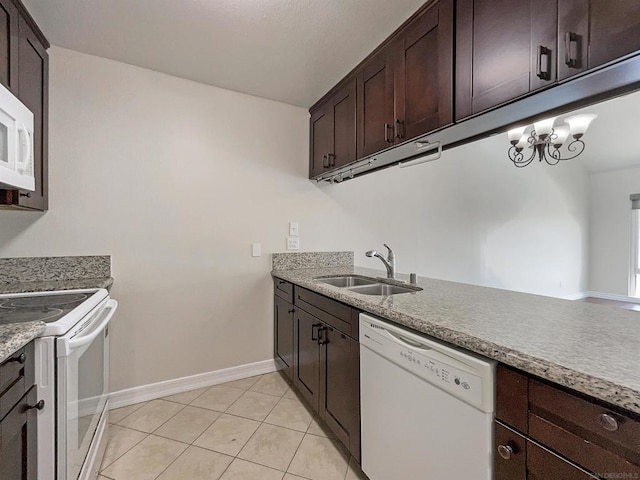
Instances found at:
x=72 y=376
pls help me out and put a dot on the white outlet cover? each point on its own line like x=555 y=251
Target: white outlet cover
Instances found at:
x=293 y=243
x=294 y=231
x=256 y=249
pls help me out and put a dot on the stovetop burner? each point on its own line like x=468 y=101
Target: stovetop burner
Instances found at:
x=45 y=308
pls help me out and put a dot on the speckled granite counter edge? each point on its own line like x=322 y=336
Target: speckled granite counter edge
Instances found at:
x=296 y=260
x=615 y=394
x=42 y=269
x=16 y=335
x=54 y=285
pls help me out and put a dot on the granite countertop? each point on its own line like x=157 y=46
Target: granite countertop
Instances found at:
x=593 y=349
x=14 y=336
x=55 y=285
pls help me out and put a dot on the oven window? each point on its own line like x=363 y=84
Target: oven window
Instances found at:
x=86 y=398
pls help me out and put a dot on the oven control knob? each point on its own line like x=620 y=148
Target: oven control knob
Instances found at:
x=39 y=405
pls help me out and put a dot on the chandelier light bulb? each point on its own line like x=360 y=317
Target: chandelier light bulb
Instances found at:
x=578 y=124
x=515 y=134
x=522 y=142
x=544 y=127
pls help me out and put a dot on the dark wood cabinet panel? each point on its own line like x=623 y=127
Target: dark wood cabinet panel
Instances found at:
x=375 y=104
x=510 y=454
x=333 y=131
x=424 y=73
x=283 y=334
x=320 y=146
x=504 y=50
x=544 y=465
x=18 y=440
x=573 y=37
x=340 y=377
x=614 y=30
x=307 y=356
x=511 y=398
x=9 y=45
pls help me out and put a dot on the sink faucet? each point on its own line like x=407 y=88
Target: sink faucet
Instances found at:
x=389 y=263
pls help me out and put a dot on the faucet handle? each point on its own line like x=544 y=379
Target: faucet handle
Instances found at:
x=391 y=255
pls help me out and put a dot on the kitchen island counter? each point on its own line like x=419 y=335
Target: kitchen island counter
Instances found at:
x=593 y=349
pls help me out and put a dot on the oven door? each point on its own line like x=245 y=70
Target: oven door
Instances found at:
x=82 y=386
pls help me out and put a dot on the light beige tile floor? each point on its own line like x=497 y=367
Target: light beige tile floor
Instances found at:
x=251 y=429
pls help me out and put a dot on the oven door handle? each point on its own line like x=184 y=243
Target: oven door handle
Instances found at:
x=76 y=342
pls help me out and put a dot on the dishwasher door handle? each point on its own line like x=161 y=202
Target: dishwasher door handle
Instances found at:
x=407 y=342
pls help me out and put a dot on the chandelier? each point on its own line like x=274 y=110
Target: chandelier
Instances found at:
x=545 y=140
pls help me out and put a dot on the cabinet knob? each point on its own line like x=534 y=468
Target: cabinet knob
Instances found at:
x=37 y=406
x=505 y=451
x=608 y=422
x=20 y=358
x=291 y=311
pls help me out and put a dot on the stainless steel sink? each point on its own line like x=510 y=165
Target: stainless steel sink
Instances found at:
x=383 y=289
x=346 y=281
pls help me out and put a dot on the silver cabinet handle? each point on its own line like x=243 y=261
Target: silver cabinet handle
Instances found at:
x=505 y=451
x=608 y=422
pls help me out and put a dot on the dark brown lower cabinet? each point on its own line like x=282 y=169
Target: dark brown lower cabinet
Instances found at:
x=283 y=335
x=340 y=392
x=18 y=440
x=307 y=356
x=545 y=432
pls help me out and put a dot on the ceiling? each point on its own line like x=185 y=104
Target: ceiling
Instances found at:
x=292 y=51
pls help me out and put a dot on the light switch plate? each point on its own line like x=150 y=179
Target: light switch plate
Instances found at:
x=293 y=229
x=256 y=249
x=293 y=243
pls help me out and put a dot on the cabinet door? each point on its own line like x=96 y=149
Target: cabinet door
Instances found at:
x=343 y=110
x=307 y=356
x=375 y=105
x=510 y=456
x=321 y=141
x=424 y=73
x=340 y=378
x=18 y=439
x=33 y=91
x=544 y=465
x=8 y=45
x=573 y=37
x=504 y=50
x=614 y=29
x=283 y=335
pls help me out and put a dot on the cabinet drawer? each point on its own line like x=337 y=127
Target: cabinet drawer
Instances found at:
x=16 y=376
x=511 y=398
x=336 y=314
x=586 y=419
x=589 y=455
x=510 y=454
x=283 y=289
x=544 y=465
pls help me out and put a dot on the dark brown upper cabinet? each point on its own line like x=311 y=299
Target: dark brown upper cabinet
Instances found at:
x=8 y=45
x=333 y=131
x=504 y=50
x=423 y=71
x=375 y=90
x=595 y=32
x=24 y=69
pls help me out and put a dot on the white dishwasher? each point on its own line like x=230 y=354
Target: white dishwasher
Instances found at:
x=427 y=408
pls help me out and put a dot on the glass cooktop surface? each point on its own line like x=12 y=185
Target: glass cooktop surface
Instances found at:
x=45 y=308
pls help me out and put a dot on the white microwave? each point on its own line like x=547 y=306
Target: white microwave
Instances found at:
x=16 y=143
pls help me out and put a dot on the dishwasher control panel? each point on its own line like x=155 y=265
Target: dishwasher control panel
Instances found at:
x=449 y=369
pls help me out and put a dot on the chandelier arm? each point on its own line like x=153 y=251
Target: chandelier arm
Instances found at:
x=516 y=156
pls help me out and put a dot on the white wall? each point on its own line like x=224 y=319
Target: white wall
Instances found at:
x=175 y=179
x=610 y=229
x=475 y=218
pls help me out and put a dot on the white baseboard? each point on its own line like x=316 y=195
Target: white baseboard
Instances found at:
x=613 y=296
x=152 y=391
x=576 y=296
